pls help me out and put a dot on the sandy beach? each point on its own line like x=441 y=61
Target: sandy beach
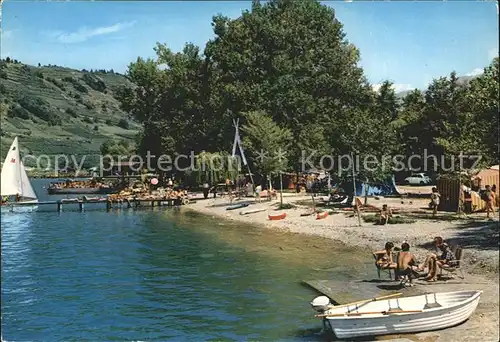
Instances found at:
x=474 y=233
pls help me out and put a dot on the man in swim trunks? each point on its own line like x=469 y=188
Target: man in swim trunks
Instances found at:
x=407 y=263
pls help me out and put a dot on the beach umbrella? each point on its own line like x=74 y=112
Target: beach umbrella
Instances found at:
x=154 y=181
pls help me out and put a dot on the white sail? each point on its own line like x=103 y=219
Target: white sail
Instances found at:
x=14 y=177
x=11 y=176
x=28 y=191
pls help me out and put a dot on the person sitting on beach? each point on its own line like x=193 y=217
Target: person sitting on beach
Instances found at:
x=384 y=257
x=407 y=263
x=433 y=261
x=384 y=215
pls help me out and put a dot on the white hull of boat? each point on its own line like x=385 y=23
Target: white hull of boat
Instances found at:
x=456 y=308
x=27 y=207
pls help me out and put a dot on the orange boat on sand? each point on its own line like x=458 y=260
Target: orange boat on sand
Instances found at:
x=277 y=217
x=322 y=215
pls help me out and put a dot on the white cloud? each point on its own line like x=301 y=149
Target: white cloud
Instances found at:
x=7 y=34
x=492 y=53
x=475 y=72
x=85 y=33
x=398 y=87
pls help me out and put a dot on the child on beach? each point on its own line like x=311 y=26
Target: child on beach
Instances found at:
x=435 y=197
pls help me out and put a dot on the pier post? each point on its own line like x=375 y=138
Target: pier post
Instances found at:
x=108 y=205
x=59 y=206
x=152 y=203
x=81 y=205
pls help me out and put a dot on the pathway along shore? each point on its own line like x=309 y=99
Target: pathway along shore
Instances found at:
x=477 y=236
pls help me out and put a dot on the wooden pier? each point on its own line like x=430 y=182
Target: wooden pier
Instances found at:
x=128 y=203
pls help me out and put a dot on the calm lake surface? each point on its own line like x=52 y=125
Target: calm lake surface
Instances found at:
x=159 y=274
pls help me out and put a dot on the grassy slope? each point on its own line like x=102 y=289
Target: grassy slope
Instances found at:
x=74 y=135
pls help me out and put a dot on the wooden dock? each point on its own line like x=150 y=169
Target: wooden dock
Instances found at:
x=341 y=291
x=127 y=203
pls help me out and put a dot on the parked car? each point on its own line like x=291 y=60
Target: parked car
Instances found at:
x=418 y=179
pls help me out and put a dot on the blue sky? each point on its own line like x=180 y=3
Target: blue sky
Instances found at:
x=408 y=43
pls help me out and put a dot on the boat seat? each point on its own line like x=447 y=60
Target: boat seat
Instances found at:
x=432 y=305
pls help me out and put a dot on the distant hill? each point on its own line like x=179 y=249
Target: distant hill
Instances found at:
x=55 y=110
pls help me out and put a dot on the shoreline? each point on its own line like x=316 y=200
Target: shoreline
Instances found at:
x=476 y=235
x=478 y=238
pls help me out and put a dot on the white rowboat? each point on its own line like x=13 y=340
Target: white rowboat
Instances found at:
x=427 y=312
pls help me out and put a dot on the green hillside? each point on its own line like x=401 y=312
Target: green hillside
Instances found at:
x=55 y=110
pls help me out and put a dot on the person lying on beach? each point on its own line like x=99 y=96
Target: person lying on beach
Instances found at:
x=384 y=215
x=384 y=257
x=433 y=262
x=407 y=263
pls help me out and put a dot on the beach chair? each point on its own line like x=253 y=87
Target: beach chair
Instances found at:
x=389 y=269
x=451 y=270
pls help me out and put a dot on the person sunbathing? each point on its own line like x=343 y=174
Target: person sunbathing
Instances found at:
x=384 y=257
x=407 y=263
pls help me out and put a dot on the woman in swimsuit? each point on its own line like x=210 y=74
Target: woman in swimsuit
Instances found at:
x=384 y=257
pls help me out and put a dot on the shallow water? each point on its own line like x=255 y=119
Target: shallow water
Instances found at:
x=159 y=274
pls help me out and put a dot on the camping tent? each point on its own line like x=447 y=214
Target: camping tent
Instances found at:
x=385 y=188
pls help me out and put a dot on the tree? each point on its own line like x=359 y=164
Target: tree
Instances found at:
x=267 y=142
x=123 y=123
x=116 y=148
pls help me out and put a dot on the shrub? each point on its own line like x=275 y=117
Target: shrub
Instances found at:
x=19 y=112
x=39 y=74
x=96 y=120
x=109 y=122
x=123 y=123
x=87 y=119
x=71 y=112
x=3 y=89
x=96 y=128
x=94 y=82
x=89 y=105
x=40 y=109
x=3 y=74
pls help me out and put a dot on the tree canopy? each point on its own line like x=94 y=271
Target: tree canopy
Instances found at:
x=287 y=70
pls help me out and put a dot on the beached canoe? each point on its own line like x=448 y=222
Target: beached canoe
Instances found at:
x=237 y=206
x=426 y=312
x=322 y=215
x=252 y=211
x=277 y=217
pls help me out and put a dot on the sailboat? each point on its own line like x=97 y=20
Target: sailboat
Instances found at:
x=16 y=186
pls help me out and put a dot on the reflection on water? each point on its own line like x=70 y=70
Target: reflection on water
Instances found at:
x=159 y=275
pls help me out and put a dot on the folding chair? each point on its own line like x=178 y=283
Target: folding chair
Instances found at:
x=457 y=268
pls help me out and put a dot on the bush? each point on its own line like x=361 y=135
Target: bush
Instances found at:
x=96 y=128
x=71 y=112
x=39 y=74
x=87 y=119
x=123 y=123
x=89 y=105
x=94 y=82
x=3 y=89
x=40 y=109
x=3 y=74
x=109 y=122
x=96 y=120
x=19 y=112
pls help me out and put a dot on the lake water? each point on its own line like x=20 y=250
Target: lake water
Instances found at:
x=159 y=274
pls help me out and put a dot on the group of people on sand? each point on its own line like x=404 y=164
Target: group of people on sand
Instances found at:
x=405 y=263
